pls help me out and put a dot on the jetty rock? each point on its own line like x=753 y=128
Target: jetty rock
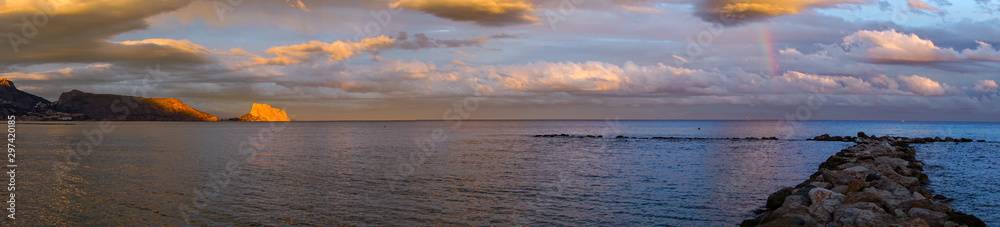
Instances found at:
x=877 y=182
x=128 y=108
x=264 y=112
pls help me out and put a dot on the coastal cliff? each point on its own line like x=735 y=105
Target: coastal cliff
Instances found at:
x=264 y=112
x=128 y=108
x=878 y=182
x=17 y=102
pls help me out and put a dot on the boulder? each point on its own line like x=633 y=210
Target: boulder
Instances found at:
x=821 y=184
x=824 y=137
x=867 y=196
x=860 y=214
x=824 y=197
x=855 y=186
x=834 y=162
x=913 y=222
x=823 y=203
x=933 y=218
x=777 y=198
x=797 y=220
x=872 y=177
x=967 y=220
x=839 y=189
x=931 y=205
x=795 y=200
x=788 y=212
x=838 y=178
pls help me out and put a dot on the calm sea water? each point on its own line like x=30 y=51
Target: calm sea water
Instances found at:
x=441 y=173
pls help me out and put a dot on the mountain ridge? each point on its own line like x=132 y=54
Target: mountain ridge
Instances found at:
x=17 y=102
x=80 y=105
x=128 y=108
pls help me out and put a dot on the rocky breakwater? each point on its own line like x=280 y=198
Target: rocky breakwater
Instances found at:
x=878 y=182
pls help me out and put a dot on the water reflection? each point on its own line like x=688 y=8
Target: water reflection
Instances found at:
x=485 y=173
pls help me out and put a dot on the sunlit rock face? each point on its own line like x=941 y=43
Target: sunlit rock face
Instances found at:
x=264 y=112
x=128 y=108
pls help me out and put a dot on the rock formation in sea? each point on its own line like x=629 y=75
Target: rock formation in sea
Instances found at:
x=127 y=108
x=263 y=112
x=878 y=182
x=17 y=102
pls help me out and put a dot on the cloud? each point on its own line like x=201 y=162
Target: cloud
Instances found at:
x=893 y=47
x=984 y=52
x=884 y=6
x=918 y=5
x=297 y=4
x=421 y=41
x=335 y=51
x=79 y=32
x=679 y=58
x=728 y=11
x=481 y=12
x=922 y=85
x=389 y=83
x=297 y=15
x=463 y=54
x=641 y=9
x=633 y=79
x=985 y=86
x=340 y=50
x=506 y=36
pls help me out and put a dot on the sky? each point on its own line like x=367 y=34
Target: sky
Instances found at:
x=914 y=60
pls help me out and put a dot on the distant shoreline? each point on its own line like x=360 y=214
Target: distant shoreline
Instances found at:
x=538 y=120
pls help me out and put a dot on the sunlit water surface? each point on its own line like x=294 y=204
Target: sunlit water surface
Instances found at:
x=443 y=173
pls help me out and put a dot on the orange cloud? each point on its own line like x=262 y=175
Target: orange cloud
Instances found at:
x=736 y=10
x=335 y=51
x=482 y=12
x=918 y=5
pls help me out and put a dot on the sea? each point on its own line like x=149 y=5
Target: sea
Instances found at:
x=453 y=173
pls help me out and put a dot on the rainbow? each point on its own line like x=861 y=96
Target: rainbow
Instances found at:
x=767 y=46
